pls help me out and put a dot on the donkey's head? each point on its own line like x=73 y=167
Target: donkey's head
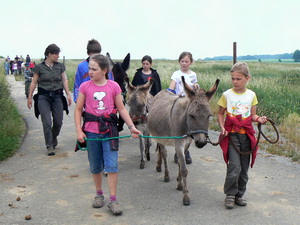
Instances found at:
x=139 y=100
x=198 y=112
x=119 y=70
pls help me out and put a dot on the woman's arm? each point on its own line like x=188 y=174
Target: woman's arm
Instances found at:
x=31 y=89
x=66 y=87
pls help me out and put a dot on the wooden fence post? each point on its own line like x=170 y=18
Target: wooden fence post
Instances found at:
x=234 y=52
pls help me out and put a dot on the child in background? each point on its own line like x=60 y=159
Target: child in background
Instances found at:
x=28 y=74
x=239 y=103
x=145 y=73
x=101 y=98
x=15 y=67
x=176 y=86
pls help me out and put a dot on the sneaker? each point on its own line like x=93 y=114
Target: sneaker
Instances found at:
x=188 y=158
x=50 y=151
x=98 y=201
x=115 y=208
x=229 y=202
x=239 y=200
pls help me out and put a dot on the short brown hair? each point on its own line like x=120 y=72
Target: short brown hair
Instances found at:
x=93 y=47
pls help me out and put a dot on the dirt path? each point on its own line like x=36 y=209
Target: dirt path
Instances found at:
x=59 y=189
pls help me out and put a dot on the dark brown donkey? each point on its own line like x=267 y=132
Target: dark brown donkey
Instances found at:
x=174 y=116
x=139 y=100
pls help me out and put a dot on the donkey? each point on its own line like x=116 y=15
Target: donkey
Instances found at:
x=171 y=115
x=139 y=100
x=119 y=73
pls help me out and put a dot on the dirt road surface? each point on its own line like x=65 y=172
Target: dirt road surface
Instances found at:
x=59 y=189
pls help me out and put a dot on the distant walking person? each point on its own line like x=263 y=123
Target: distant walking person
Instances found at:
x=28 y=74
x=6 y=66
x=28 y=59
x=49 y=101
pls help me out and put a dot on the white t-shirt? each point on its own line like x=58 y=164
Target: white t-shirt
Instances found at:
x=190 y=79
x=238 y=103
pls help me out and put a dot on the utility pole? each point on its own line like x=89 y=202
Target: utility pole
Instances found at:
x=234 y=52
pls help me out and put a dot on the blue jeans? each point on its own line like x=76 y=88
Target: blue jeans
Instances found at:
x=100 y=154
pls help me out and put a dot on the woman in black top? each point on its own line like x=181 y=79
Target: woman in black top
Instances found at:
x=145 y=73
x=50 y=102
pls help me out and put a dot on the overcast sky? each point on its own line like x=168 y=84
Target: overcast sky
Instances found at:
x=159 y=28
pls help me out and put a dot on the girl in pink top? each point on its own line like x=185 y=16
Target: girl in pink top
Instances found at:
x=101 y=98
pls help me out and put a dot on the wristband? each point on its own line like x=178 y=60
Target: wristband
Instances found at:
x=257 y=119
x=171 y=90
x=131 y=126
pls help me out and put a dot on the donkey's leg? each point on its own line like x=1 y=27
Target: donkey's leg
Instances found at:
x=159 y=158
x=164 y=155
x=180 y=146
x=147 y=144
x=142 y=147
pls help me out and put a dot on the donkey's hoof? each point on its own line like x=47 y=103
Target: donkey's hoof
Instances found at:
x=148 y=157
x=179 y=187
x=142 y=165
x=158 y=169
x=167 y=179
x=186 y=200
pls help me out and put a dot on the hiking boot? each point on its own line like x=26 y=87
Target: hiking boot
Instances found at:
x=115 y=208
x=98 y=201
x=188 y=158
x=239 y=200
x=54 y=142
x=229 y=202
x=50 y=151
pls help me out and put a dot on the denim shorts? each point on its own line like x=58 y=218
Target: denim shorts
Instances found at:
x=100 y=155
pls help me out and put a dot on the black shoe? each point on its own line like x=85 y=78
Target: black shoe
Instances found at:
x=188 y=158
x=50 y=151
x=54 y=142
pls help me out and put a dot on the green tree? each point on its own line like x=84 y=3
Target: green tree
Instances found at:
x=296 y=56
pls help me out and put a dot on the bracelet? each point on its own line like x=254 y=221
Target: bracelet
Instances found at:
x=131 y=126
x=257 y=119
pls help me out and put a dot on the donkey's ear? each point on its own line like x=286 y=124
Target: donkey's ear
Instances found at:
x=212 y=90
x=109 y=58
x=148 y=85
x=130 y=87
x=188 y=90
x=126 y=62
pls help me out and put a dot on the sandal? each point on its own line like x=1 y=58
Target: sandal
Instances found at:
x=115 y=208
x=229 y=201
x=239 y=200
x=98 y=201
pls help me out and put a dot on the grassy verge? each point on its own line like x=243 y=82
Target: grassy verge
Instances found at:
x=12 y=126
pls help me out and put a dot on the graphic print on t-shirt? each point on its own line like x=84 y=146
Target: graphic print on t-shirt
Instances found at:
x=98 y=96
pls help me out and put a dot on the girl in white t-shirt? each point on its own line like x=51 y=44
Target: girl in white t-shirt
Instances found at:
x=176 y=86
x=185 y=60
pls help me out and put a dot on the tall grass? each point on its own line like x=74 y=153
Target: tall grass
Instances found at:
x=12 y=127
